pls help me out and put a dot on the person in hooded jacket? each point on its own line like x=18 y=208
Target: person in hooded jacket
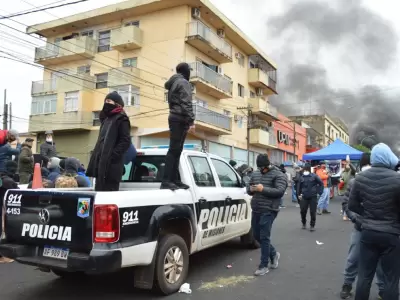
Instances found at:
x=48 y=148
x=308 y=187
x=106 y=164
x=54 y=169
x=25 y=161
x=375 y=197
x=6 y=151
x=72 y=165
x=180 y=120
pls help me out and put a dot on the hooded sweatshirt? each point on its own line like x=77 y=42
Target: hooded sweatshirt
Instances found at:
x=71 y=169
x=54 y=168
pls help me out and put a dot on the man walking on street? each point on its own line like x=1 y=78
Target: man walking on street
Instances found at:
x=181 y=120
x=375 y=196
x=267 y=186
x=324 y=198
x=308 y=187
x=107 y=161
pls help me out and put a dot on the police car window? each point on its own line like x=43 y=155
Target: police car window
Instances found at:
x=146 y=168
x=227 y=177
x=202 y=173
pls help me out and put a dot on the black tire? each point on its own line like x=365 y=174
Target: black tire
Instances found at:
x=68 y=275
x=249 y=241
x=166 y=243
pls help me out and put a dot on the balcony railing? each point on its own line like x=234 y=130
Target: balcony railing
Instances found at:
x=198 y=29
x=208 y=116
x=44 y=86
x=208 y=75
x=76 y=82
x=126 y=38
x=123 y=76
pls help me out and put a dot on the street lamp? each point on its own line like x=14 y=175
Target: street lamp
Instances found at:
x=367 y=137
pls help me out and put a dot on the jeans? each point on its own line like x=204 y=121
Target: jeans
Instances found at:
x=351 y=270
x=294 y=194
x=304 y=204
x=261 y=224
x=178 y=132
x=374 y=247
x=324 y=199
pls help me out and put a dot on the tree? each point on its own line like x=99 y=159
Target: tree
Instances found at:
x=362 y=148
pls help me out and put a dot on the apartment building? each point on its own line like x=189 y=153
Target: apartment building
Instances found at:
x=133 y=47
x=326 y=128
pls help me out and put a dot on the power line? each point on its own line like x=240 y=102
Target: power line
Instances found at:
x=41 y=9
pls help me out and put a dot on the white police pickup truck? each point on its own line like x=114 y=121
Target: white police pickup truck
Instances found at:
x=77 y=232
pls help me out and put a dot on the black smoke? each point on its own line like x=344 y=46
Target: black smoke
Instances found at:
x=359 y=42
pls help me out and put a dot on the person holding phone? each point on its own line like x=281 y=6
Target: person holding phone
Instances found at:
x=267 y=185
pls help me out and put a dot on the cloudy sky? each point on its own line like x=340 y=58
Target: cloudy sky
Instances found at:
x=338 y=57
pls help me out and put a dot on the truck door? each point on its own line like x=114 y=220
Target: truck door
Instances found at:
x=237 y=209
x=210 y=202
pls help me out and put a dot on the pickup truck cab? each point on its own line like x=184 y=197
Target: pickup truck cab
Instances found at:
x=79 y=231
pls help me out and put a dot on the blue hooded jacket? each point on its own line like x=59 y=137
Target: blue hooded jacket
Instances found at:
x=6 y=153
x=382 y=155
x=130 y=154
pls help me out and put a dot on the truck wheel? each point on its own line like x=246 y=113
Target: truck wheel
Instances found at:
x=68 y=275
x=172 y=264
x=249 y=241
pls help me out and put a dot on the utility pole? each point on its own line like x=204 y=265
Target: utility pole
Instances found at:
x=249 y=126
x=5 y=111
x=10 y=116
x=294 y=139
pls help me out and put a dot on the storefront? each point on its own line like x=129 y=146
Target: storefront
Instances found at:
x=291 y=141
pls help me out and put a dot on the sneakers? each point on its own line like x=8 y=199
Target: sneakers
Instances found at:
x=319 y=211
x=181 y=185
x=312 y=228
x=282 y=206
x=275 y=261
x=261 y=272
x=304 y=226
x=325 y=211
x=346 y=291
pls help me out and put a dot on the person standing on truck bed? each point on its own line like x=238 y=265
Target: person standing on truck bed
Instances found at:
x=180 y=120
x=107 y=161
x=25 y=162
x=267 y=186
x=48 y=148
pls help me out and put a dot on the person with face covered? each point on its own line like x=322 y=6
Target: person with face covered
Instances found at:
x=48 y=148
x=267 y=185
x=107 y=161
x=180 y=120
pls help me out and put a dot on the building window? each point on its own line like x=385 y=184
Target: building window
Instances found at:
x=104 y=41
x=83 y=69
x=96 y=118
x=71 y=101
x=240 y=90
x=88 y=33
x=130 y=62
x=129 y=93
x=239 y=121
x=241 y=59
x=202 y=103
x=227 y=113
x=101 y=80
x=252 y=94
x=44 y=105
x=133 y=23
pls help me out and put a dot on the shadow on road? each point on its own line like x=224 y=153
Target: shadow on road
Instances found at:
x=119 y=286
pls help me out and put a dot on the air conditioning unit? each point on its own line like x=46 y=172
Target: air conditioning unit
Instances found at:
x=236 y=118
x=238 y=55
x=220 y=71
x=196 y=13
x=259 y=92
x=221 y=33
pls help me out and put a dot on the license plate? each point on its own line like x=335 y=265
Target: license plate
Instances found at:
x=53 y=252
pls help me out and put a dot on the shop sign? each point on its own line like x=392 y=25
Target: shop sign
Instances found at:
x=283 y=138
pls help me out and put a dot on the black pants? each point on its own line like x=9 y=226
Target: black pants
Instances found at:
x=304 y=204
x=178 y=132
x=375 y=246
x=106 y=186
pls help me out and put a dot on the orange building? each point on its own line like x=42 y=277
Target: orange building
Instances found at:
x=287 y=149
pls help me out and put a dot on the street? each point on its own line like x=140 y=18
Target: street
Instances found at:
x=306 y=270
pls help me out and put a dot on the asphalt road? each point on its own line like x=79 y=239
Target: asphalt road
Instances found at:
x=306 y=270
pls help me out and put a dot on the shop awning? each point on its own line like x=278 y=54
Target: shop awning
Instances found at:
x=336 y=150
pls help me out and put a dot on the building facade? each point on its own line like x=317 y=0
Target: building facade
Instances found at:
x=133 y=47
x=324 y=129
x=291 y=141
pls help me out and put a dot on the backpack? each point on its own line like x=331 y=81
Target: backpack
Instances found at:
x=65 y=181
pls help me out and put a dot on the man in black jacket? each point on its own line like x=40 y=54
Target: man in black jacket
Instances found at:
x=375 y=197
x=181 y=120
x=308 y=187
x=267 y=186
x=106 y=163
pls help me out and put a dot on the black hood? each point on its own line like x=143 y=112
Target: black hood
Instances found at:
x=184 y=69
x=72 y=165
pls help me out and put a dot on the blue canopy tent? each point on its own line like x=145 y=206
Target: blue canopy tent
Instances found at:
x=336 y=150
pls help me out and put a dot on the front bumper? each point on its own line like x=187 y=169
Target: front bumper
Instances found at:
x=96 y=262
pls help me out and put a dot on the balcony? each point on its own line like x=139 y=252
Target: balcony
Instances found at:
x=69 y=50
x=205 y=40
x=262 y=138
x=211 y=121
x=76 y=82
x=43 y=87
x=260 y=79
x=264 y=110
x=210 y=82
x=70 y=121
x=126 y=38
x=123 y=76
